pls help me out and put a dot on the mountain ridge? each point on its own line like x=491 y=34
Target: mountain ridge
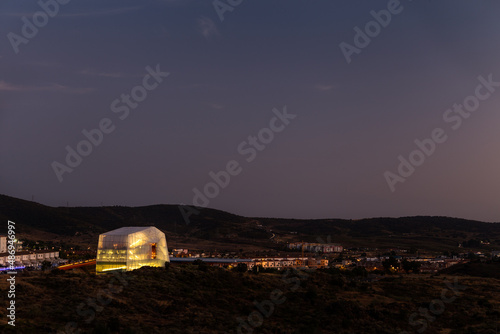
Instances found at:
x=433 y=232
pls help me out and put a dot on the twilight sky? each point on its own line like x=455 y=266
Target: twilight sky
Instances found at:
x=353 y=120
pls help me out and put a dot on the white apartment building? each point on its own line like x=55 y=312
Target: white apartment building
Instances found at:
x=3 y=243
x=29 y=259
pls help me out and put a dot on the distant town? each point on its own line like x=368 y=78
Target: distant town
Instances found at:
x=301 y=255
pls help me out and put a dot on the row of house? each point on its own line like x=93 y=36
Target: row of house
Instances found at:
x=316 y=247
x=280 y=263
x=435 y=265
x=429 y=265
x=277 y=263
x=30 y=258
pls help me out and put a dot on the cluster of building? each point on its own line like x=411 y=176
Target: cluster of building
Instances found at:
x=427 y=265
x=130 y=248
x=180 y=252
x=277 y=263
x=25 y=258
x=280 y=263
x=30 y=258
x=316 y=247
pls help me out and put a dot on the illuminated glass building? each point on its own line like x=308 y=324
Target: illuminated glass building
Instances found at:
x=130 y=248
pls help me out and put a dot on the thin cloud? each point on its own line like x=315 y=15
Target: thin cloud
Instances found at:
x=9 y=87
x=176 y=2
x=165 y=31
x=324 y=88
x=207 y=28
x=198 y=86
x=81 y=14
x=43 y=63
x=17 y=14
x=215 y=106
x=115 y=11
x=89 y=72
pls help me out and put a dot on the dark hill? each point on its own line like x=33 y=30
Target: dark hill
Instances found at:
x=432 y=233
x=478 y=269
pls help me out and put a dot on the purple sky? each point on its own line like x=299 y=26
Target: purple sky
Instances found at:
x=353 y=119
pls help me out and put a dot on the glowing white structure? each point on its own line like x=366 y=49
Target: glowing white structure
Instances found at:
x=130 y=248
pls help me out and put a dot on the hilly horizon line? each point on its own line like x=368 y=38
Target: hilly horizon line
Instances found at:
x=252 y=217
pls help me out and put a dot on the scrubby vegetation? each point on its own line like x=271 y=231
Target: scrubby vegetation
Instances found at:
x=202 y=299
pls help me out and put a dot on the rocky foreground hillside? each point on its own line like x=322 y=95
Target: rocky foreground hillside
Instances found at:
x=201 y=299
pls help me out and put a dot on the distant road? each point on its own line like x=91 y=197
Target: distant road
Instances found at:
x=77 y=264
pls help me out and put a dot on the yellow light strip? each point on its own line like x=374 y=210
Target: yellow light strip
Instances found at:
x=124 y=267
